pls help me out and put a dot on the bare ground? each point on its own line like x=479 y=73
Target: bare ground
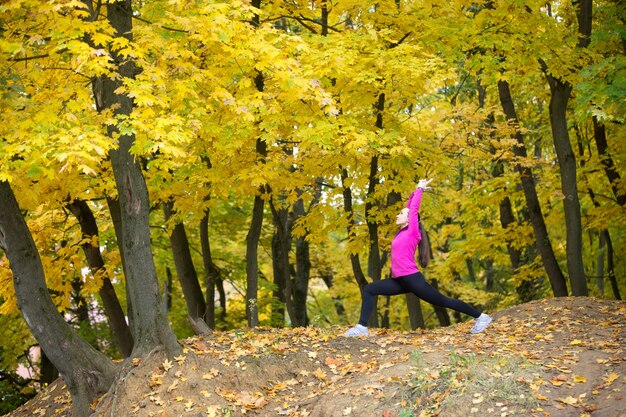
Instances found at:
x=554 y=357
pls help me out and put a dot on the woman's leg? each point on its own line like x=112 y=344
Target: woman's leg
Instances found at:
x=417 y=284
x=388 y=286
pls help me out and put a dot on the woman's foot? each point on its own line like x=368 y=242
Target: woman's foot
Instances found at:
x=481 y=323
x=356 y=331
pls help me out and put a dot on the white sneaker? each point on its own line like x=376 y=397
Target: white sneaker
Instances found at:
x=356 y=331
x=481 y=323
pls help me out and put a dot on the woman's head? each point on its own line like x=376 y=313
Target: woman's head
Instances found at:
x=402 y=219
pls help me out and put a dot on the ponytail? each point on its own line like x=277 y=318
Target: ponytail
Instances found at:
x=423 y=247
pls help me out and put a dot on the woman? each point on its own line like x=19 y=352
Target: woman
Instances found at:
x=405 y=276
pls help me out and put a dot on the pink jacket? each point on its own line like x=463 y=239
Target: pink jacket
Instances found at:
x=405 y=243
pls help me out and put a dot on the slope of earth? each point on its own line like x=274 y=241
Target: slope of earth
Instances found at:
x=554 y=357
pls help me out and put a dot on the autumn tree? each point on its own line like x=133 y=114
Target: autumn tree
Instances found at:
x=86 y=372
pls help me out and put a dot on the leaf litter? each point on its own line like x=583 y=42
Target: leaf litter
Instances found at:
x=556 y=357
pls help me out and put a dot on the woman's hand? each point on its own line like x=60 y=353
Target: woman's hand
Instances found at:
x=423 y=184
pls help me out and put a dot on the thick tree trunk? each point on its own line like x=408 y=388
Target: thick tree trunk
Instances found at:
x=116 y=217
x=152 y=329
x=542 y=240
x=86 y=372
x=112 y=307
x=571 y=203
x=186 y=271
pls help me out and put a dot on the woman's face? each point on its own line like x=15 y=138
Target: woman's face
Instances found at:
x=402 y=219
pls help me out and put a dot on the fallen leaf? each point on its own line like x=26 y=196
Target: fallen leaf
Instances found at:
x=319 y=374
x=167 y=365
x=611 y=378
x=173 y=386
x=568 y=400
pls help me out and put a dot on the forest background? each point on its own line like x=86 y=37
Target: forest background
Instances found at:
x=168 y=168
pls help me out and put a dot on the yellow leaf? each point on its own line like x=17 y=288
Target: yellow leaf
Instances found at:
x=319 y=374
x=568 y=400
x=578 y=378
x=611 y=378
x=557 y=382
x=576 y=342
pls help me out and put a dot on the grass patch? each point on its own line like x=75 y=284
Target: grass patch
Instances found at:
x=467 y=385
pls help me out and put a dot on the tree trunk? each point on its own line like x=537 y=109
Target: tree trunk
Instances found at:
x=571 y=203
x=327 y=277
x=600 y=267
x=359 y=276
x=303 y=266
x=112 y=307
x=116 y=217
x=599 y=134
x=525 y=289
x=416 y=316
x=277 y=315
x=219 y=284
x=441 y=312
x=152 y=329
x=186 y=271
x=252 y=266
x=48 y=373
x=254 y=233
x=610 y=265
x=87 y=373
x=354 y=257
x=374 y=266
x=211 y=271
x=542 y=240
x=168 y=289
x=281 y=245
x=253 y=237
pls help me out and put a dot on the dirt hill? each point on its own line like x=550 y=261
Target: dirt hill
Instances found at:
x=555 y=357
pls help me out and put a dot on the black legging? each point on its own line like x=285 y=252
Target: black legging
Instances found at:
x=416 y=284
